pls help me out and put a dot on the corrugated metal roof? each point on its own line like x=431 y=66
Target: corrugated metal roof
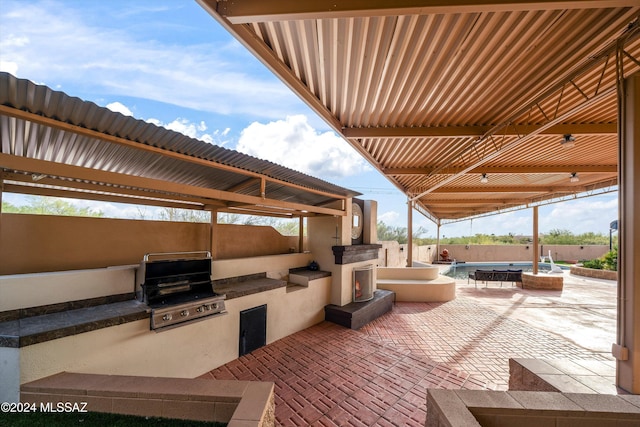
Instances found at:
x=39 y=123
x=432 y=95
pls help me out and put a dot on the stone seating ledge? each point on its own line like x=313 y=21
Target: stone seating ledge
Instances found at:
x=238 y=403
x=563 y=375
x=476 y=408
x=416 y=284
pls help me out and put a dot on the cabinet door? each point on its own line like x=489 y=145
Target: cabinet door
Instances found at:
x=253 y=329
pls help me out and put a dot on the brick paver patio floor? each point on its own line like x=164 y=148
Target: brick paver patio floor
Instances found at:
x=328 y=375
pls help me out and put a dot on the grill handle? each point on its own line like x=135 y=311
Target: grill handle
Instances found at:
x=165 y=254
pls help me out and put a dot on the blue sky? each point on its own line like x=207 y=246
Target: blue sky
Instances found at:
x=170 y=63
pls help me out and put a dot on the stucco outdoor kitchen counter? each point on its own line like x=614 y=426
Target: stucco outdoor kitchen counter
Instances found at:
x=22 y=331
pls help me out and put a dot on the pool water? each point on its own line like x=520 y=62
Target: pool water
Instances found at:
x=461 y=271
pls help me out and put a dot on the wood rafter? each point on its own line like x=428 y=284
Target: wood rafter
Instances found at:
x=511 y=170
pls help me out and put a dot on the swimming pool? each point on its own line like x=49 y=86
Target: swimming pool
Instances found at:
x=461 y=271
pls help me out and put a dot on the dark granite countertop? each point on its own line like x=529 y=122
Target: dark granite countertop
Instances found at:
x=46 y=327
x=247 y=287
x=310 y=274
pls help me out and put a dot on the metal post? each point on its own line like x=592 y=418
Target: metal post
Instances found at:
x=535 y=240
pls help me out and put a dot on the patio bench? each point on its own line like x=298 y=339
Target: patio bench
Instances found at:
x=513 y=276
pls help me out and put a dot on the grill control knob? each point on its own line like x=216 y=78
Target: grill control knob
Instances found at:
x=167 y=317
x=201 y=309
x=184 y=313
x=214 y=306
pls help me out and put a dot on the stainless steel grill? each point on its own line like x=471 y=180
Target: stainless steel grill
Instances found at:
x=178 y=289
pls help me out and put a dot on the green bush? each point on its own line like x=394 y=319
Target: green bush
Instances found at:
x=593 y=263
x=608 y=261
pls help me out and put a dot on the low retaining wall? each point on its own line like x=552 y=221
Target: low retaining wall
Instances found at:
x=594 y=273
x=408 y=273
x=416 y=284
x=542 y=281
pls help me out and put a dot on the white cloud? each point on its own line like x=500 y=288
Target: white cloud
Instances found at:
x=181 y=125
x=391 y=218
x=582 y=215
x=195 y=130
x=58 y=43
x=295 y=144
x=119 y=108
x=9 y=67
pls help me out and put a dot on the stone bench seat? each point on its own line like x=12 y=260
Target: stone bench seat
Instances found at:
x=416 y=284
x=237 y=403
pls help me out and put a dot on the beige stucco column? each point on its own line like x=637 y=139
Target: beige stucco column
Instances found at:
x=213 y=246
x=301 y=234
x=409 y=233
x=535 y=240
x=627 y=348
x=1 y=191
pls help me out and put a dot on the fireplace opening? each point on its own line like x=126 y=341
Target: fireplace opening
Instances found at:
x=363 y=283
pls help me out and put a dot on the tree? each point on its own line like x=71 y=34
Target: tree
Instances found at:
x=389 y=233
x=285 y=226
x=41 y=205
x=184 y=215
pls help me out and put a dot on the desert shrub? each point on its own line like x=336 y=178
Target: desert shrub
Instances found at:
x=593 y=263
x=608 y=261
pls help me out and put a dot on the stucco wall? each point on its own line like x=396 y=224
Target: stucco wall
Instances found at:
x=39 y=243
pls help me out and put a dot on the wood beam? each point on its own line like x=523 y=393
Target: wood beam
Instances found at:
x=244 y=185
x=476 y=131
x=71 y=194
x=248 y=11
x=507 y=189
x=43 y=167
x=126 y=193
x=512 y=169
x=461 y=203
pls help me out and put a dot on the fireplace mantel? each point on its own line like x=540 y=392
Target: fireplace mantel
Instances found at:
x=355 y=253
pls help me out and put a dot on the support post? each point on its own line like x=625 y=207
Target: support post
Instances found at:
x=301 y=235
x=627 y=348
x=535 y=240
x=213 y=246
x=438 y=241
x=409 y=233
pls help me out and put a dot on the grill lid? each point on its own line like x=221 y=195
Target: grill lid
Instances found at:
x=173 y=278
